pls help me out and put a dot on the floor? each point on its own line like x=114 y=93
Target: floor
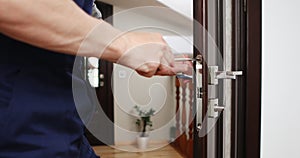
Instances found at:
x=110 y=152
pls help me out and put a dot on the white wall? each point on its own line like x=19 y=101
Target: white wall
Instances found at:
x=130 y=88
x=281 y=79
x=184 y=7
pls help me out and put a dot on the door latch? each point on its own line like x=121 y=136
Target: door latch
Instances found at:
x=214 y=109
x=228 y=74
x=215 y=75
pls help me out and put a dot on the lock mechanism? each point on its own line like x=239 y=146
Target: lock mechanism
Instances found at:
x=215 y=75
x=214 y=109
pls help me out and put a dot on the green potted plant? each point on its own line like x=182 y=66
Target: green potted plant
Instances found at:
x=143 y=121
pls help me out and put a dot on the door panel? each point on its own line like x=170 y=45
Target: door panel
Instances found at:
x=214 y=35
x=200 y=143
x=247 y=89
x=104 y=89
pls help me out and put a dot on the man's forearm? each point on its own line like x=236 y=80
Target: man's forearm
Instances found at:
x=61 y=26
x=57 y=25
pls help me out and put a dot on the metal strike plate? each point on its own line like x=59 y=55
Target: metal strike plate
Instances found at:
x=199 y=106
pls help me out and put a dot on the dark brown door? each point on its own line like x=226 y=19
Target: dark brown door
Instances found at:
x=208 y=41
x=234 y=28
x=104 y=90
x=247 y=89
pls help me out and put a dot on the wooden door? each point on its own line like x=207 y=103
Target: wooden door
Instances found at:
x=213 y=38
x=235 y=26
x=104 y=90
x=247 y=44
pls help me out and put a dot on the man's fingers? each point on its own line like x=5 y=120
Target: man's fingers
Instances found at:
x=163 y=71
x=165 y=68
x=168 y=56
x=148 y=69
x=183 y=67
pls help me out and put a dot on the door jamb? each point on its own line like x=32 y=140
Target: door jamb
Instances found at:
x=247 y=89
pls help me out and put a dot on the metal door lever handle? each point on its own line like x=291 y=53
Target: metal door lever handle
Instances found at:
x=184 y=59
x=198 y=58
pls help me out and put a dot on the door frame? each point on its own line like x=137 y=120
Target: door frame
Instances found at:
x=247 y=45
x=104 y=93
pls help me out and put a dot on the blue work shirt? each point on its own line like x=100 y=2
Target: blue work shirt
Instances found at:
x=38 y=118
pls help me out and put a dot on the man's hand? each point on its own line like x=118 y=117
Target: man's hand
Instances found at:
x=148 y=54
